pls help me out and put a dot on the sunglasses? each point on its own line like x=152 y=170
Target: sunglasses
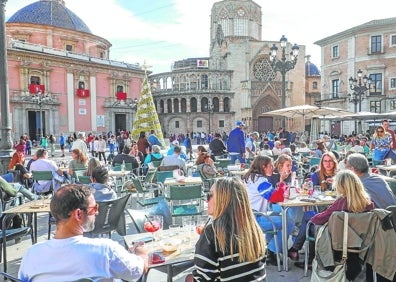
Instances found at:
x=209 y=196
x=92 y=210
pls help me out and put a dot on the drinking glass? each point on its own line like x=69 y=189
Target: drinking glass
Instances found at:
x=201 y=223
x=152 y=224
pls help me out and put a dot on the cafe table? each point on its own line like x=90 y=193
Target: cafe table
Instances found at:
x=183 y=181
x=238 y=172
x=32 y=208
x=184 y=252
x=299 y=201
x=387 y=168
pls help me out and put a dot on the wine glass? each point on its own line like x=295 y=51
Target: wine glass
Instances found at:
x=152 y=224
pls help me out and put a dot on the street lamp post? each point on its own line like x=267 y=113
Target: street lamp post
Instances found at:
x=359 y=86
x=283 y=66
x=209 y=109
x=41 y=98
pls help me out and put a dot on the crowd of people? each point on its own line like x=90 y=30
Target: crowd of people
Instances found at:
x=233 y=245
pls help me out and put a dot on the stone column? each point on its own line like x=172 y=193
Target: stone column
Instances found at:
x=6 y=140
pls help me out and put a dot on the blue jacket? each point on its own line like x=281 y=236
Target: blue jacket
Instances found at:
x=236 y=141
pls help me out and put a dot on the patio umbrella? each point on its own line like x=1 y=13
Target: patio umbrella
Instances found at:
x=308 y=111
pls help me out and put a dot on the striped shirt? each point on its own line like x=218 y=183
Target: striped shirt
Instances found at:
x=213 y=265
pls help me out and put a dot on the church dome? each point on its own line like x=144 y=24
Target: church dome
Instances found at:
x=49 y=12
x=311 y=69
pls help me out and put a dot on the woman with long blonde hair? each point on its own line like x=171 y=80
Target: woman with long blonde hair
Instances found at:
x=351 y=198
x=232 y=246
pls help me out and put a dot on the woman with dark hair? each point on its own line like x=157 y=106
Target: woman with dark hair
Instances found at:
x=232 y=246
x=320 y=149
x=143 y=145
x=261 y=195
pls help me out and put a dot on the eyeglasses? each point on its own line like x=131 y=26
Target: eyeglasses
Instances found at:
x=380 y=131
x=92 y=210
x=209 y=196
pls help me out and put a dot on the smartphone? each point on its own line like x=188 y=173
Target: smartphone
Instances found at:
x=144 y=240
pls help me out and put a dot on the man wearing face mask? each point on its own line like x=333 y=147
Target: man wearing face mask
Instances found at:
x=70 y=256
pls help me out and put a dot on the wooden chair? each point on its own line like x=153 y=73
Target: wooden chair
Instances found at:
x=111 y=217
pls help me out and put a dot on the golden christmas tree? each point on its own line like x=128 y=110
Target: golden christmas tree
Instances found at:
x=146 y=115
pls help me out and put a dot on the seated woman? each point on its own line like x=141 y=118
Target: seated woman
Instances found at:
x=79 y=161
x=328 y=167
x=155 y=155
x=320 y=149
x=206 y=165
x=261 y=193
x=92 y=163
x=351 y=198
x=381 y=144
x=17 y=162
x=232 y=246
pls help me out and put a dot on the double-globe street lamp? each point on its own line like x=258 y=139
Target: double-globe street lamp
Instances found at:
x=283 y=66
x=40 y=98
x=359 y=86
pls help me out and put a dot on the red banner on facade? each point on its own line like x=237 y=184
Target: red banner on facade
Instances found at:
x=34 y=88
x=121 y=96
x=83 y=93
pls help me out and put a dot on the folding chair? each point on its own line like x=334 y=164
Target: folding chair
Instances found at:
x=274 y=232
x=45 y=175
x=7 y=234
x=111 y=217
x=143 y=192
x=185 y=200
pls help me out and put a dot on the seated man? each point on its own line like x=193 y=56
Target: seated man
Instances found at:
x=175 y=160
x=374 y=184
x=74 y=208
x=44 y=164
x=99 y=178
x=125 y=157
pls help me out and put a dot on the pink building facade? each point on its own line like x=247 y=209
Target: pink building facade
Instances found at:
x=61 y=78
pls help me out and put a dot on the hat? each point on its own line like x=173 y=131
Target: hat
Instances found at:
x=240 y=123
x=175 y=143
x=255 y=133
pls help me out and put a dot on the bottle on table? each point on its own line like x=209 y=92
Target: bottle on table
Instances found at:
x=123 y=166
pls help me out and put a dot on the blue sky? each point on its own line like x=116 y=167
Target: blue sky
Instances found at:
x=160 y=32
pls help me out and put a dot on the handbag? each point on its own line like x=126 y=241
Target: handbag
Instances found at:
x=338 y=274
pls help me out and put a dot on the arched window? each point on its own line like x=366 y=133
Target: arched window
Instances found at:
x=226 y=103
x=169 y=105
x=216 y=104
x=81 y=85
x=176 y=105
x=204 y=104
x=162 y=107
x=120 y=88
x=183 y=105
x=193 y=105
